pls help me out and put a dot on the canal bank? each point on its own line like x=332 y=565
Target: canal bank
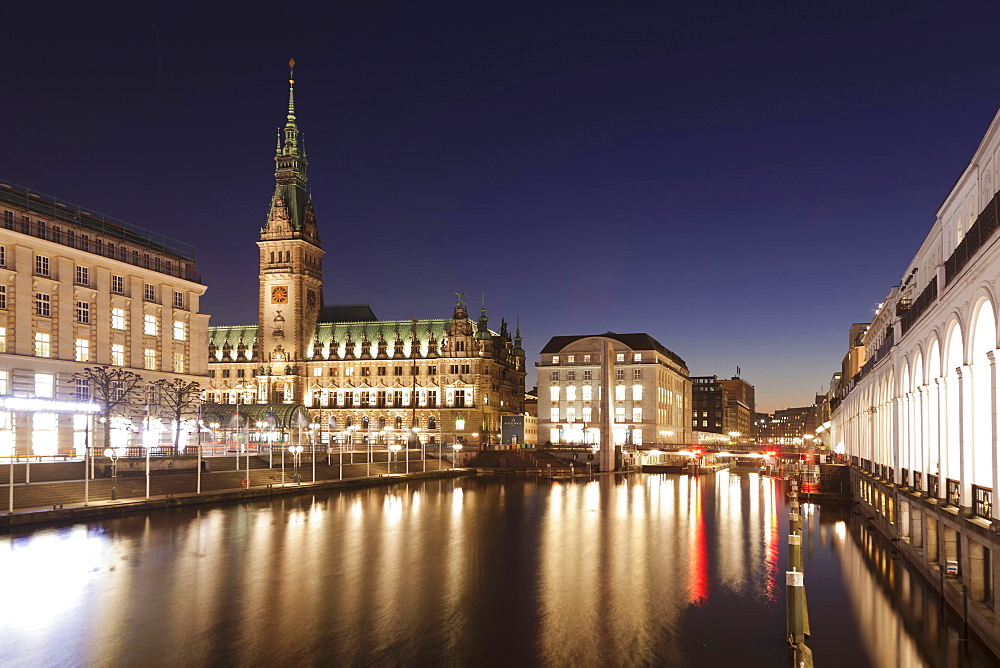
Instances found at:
x=63 y=514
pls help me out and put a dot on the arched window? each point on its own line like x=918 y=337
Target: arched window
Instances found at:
x=349 y=423
x=399 y=423
x=432 y=422
x=364 y=422
x=381 y=422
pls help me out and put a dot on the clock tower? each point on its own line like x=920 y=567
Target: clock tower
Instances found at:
x=291 y=267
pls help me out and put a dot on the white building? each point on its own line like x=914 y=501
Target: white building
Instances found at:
x=77 y=290
x=919 y=419
x=652 y=393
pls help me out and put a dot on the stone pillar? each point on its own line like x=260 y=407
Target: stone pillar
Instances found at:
x=993 y=430
x=924 y=459
x=942 y=431
x=966 y=444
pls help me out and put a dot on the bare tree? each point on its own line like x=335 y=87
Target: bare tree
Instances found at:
x=179 y=398
x=115 y=390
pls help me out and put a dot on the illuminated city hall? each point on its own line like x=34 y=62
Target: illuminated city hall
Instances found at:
x=360 y=379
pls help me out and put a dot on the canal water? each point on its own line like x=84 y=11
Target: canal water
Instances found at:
x=619 y=570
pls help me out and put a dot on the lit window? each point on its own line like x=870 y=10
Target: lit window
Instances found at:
x=554 y=393
x=571 y=358
x=554 y=415
x=555 y=359
x=117 y=318
x=4 y=382
x=179 y=368
x=349 y=371
x=83 y=389
x=180 y=330
x=43 y=345
x=619 y=393
x=587 y=413
x=45 y=385
x=637 y=393
x=570 y=414
x=178 y=299
x=43 y=304
x=637 y=357
x=82 y=352
x=587 y=392
x=149 y=292
x=3 y=339
x=118 y=354
x=82 y=312
x=571 y=393
x=619 y=415
x=636 y=415
x=42 y=265
x=318 y=371
x=82 y=275
x=118 y=284
x=149 y=358
x=620 y=357
x=586 y=359
x=151 y=325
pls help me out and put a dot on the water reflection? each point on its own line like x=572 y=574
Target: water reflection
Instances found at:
x=661 y=570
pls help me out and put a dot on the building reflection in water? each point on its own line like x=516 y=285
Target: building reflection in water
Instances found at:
x=657 y=569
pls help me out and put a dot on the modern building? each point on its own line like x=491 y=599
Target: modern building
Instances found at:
x=361 y=379
x=918 y=420
x=650 y=388
x=723 y=406
x=741 y=403
x=787 y=426
x=79 y=289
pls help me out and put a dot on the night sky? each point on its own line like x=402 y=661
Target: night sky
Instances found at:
x=740 y=180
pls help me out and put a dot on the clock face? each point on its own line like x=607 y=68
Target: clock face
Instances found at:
x=279 y=294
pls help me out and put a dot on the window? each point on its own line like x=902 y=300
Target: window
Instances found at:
x=117 y=318
x=149 y=292
x=570 y=414
x=43 y=345
x=571 y=375
x=620 y=357
x=179 y=368
x=149 y=359
x=178 y=299
x=637 y=393
x=118 y=285
x=636 y=415
x=82 y=313
x=619 y=393
x=118 y=354
x=82 y=275
x=555 y=375
x=82 y=350
x=45 y=385
x=3 y=256
x=432 y=370
x=554 y=415
x=83 y=389
x=587 y=392
x=43 y=304
x=349 y=371
x=151 y=325
x=571 y=358
x=460 y=346
x=465 y=368
x=3 y=296
x=555 y=359
x=619 y=374
x=636 y=374
x=432 y=398
x=587 y=413
x=571 y=393
x=8 y=219
x=381 y=370
x=554 y=393
x=3 y=339
x=42 y=265
x=4 y=382
x=588 y=375
x=397 y=371
x=180 y=330
x=637 y=357
x=619 y=415
x=317 y=371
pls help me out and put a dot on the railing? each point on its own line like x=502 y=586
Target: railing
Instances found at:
x=932 y=486
x=920 y=305
x=982 y=502
x=978 y=234
x=954 y=492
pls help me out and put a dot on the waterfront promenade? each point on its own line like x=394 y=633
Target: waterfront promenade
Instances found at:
x=57 y=491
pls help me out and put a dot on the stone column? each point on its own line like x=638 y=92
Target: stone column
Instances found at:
x=993 y=430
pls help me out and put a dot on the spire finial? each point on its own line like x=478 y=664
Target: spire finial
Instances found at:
x=483 y=307
x=291 y=93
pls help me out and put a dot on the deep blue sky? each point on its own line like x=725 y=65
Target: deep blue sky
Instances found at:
x=740 y=180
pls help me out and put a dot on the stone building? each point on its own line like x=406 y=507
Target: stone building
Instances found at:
x=651 y=402
x=362 y=379
x=77 y=290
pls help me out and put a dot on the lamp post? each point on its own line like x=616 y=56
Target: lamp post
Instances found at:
x=456 y=448
x=394 y=447
x=387 y=435
x=313 y=431
x=113 y=454
x=296 y=451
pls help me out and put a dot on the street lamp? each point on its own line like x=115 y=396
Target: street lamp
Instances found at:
x=394 y=447
x=296 y=451
x=456 y=448
x=113 y=454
